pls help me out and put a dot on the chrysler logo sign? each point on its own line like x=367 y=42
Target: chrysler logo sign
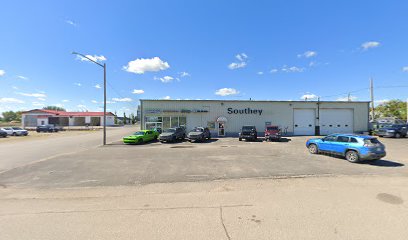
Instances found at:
x=245 y=111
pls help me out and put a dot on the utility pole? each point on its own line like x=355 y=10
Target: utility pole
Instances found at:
x=349 y=97
x=372 y=99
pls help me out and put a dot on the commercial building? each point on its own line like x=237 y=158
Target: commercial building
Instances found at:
x=226 y=117
x=36 y=117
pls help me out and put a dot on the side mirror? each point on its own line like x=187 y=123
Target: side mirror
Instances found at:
x=323 y=139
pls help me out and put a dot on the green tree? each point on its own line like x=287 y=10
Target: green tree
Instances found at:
x=11 y=116
x=55 y=108
x=132 y=118
x=124 y=118
x=393 y=108
x=116 y=118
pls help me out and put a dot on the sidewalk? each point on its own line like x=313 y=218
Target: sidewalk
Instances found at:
x=368 y=207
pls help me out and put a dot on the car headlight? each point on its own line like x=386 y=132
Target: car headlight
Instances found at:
x=252 y=133
x=391 y=130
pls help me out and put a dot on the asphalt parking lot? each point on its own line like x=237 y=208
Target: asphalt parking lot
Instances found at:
x=218 y=159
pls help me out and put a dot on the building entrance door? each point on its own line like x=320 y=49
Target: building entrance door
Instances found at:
x=221 y=129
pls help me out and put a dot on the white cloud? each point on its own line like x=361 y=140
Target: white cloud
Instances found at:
x=405 y=69
x=138 y=91
x=70 y=22
x=122 y=99
x=237 y=65
x=94 y=101
x=381 y=101
x=22 y=77
x=77 y=84
x=242 y=57
x=165 y=79
x=260 y=73
x=274 y=70
x=36 y=95
x=94 y=58
x=41 y=99
x=166 y=97
x=14 y=87
x=226 y=92
x=308 y=96
x=110 y=102
x=142 y=65
x=184 y=74
x=58 y=105
x=65 y=100
x=10 y=100
x=307 y=54
x=345 y=99
x=368 y=45
x=97 y=86
x=38 y=104
x=2 y=72
x=292 y=69
x=81 y=107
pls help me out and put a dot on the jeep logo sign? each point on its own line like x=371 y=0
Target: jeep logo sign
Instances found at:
x=244 y=111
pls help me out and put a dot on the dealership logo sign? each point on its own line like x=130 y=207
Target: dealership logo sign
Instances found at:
x=244 y=111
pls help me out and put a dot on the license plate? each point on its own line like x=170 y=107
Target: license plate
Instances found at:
x=378 y=149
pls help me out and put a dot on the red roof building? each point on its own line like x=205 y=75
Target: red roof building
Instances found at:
x=36 y=117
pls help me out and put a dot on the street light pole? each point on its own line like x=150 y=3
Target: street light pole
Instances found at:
x=104 y=92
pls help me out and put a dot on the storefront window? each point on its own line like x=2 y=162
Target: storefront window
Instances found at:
x=166 y=122
x=211 y=125
x=183 y=121
x=174 y=121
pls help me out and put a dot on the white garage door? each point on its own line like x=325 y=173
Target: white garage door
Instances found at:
x=304 y=121
x=336 y=121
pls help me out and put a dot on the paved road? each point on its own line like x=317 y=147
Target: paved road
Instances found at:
x=20 y=152
x=227 y=158
x=369 y=207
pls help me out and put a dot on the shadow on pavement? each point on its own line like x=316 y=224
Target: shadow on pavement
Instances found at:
x=384 y=163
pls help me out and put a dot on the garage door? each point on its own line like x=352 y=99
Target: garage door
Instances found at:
x=336 y=121
x=304 y=122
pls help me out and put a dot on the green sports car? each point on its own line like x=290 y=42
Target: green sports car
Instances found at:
x=141 y=136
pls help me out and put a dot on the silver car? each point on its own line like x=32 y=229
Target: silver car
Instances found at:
x=15 y=131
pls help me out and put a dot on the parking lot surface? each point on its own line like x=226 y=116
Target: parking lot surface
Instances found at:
x=218 y=159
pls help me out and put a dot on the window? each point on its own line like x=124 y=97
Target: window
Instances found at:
x=353 y=140
x=182 y=121
x=330 y=138
x=342 y=139
x=174 y=121
x=166 y=122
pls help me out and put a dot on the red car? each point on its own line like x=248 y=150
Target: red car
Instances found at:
x=272 y=133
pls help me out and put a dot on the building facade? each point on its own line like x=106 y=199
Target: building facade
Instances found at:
x=226 y=117
x=36 y=117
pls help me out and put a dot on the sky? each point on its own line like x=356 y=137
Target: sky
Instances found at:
x=240 y=50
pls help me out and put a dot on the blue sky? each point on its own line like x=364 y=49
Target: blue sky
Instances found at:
x=275 y=50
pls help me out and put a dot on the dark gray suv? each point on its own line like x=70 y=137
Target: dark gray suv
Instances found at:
x=199 y=134
x=172 y=134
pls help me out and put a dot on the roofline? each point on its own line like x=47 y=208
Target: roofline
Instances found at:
x=219 y=100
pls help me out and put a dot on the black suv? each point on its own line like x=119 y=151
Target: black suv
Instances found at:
x=393 y=130
x=172 y=134
x=248 y=133
x=199 y=134
x=47 y=128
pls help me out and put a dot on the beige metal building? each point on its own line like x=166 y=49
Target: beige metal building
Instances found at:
x=226 y=117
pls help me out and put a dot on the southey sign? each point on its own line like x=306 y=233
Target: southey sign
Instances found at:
x=244 y=111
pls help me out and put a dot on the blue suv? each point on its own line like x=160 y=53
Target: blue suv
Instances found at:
x=354 y=148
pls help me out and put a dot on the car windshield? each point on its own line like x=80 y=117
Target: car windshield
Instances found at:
x=139 y=133
x=271 y=128
x=247 y=128
x=198 y=130
x=170 y=130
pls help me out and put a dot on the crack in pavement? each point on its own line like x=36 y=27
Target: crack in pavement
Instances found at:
x=223 y=225
x=127 y=209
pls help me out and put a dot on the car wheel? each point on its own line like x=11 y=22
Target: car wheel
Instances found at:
x=313 y=149
x=209 y=137
x=14 y=134
x=352 y=156
x=397 y=135
x=239 y=139
x=140 y=141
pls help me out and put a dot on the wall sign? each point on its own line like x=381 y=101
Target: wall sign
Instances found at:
x=244 y=111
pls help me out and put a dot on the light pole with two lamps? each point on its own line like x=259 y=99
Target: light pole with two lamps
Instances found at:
x=104 y=92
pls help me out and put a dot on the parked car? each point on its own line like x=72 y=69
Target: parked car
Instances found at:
x=248 y=133
x=47 y=128
x=141 y=136
x=199 y=134
x=393 y=130
x=15 y=131
x=272 y=133
x=3 y=133
x=354 y=148
x=172 y=134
